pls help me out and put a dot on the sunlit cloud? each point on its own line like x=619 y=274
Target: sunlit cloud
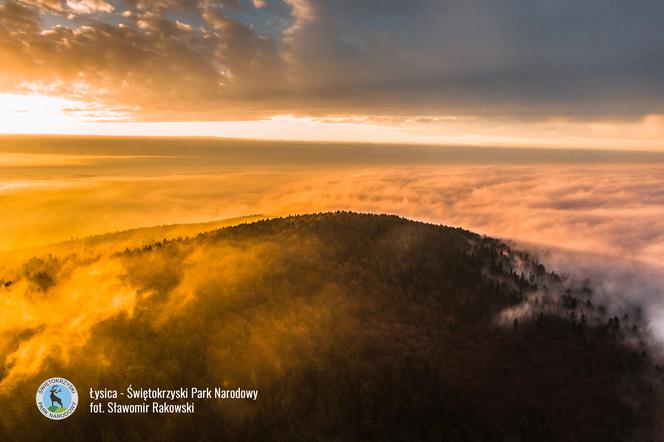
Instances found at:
x=599 y=218
x=615 y=209
x=95 y=291
x=507 y=75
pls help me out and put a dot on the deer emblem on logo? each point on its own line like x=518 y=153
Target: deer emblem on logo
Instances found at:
x=63 y=399
x=54 y=398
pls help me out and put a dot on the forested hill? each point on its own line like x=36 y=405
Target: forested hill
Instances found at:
x=351 y=326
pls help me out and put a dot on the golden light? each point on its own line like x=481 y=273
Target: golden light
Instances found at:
x=42 y=114
x=47 y=114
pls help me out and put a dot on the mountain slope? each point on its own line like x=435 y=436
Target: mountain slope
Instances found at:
x=352 y=327
x=118 y=241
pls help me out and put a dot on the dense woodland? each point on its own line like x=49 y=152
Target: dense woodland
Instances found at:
x=352 y=327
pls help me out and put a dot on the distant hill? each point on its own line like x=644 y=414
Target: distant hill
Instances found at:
x=132 y=238
x=351 y=327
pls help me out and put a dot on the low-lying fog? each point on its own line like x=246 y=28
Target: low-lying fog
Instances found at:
x=598 y=215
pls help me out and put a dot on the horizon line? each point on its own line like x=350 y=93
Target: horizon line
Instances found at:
x=496 y=146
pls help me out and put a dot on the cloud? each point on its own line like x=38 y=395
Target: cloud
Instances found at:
x=86 y=294
x=234 y=59
x=614 y=208
x=597 y=221
x=155 y=66
x=621 y=286
x=45 y=5
x=89 y=6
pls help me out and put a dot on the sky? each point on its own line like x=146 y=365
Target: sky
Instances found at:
x=480 y=72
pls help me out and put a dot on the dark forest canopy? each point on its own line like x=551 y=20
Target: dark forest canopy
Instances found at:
x=352 y=327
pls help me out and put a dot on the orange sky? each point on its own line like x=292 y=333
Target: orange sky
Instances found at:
x=475 y=74
x=26 y=114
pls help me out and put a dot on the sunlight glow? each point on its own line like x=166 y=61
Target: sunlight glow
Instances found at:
x=46 y=114
x=42 y=114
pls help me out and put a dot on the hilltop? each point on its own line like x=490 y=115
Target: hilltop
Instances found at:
x=351 y=327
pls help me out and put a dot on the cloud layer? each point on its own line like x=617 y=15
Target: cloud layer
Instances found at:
x=615 y=209
x=235 y=59
x=586 y=219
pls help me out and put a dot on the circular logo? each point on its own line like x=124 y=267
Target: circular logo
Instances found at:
x=57 y=398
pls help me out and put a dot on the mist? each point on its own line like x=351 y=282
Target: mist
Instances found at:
x=588 y=215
